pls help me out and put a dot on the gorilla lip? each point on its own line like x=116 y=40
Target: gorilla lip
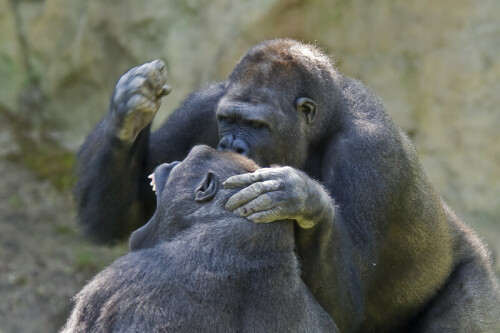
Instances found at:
x=153 y=185
x=160 y=176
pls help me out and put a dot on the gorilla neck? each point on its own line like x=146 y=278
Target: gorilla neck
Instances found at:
x=238 y=242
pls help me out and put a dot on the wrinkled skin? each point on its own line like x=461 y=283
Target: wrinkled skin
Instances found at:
x=137 y=96
x=380 y=250
x=280 y=193
x=196 y=267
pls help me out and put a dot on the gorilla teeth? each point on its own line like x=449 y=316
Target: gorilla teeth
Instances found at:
x=152 y=177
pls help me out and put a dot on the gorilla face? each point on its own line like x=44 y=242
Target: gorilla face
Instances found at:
x=264 y=113
x=148 y=235
x=184 y=189
x=160 y=176
x=267 y=129
x=247 y=128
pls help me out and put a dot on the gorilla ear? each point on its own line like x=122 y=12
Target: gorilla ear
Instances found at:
x=208 y=188
x=307 y=106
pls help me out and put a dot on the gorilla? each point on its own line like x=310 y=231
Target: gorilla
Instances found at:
x=379 y=248
x=196 y=267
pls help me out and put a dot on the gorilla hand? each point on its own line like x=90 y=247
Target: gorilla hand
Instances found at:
x=271 y=194
x=136 y=98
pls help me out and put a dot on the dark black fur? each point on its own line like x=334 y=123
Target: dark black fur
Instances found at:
x=199 y=268
x=394 y=256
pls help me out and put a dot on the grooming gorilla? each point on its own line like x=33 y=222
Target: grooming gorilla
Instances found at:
x=197 y=267
x=379 y=249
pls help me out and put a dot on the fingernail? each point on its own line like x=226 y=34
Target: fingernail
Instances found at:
x=165 y=91
x=241 y=212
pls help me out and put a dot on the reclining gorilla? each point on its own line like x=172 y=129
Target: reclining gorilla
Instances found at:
x=196 y=267
x=379 y=249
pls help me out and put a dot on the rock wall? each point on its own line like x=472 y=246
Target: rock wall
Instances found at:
x=434 y=63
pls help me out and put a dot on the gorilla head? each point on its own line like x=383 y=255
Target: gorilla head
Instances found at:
x=189 y=192
x=277 y=97
x=196 y=266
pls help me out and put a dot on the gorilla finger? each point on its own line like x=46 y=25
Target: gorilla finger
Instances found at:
x=262 y=203
x=243 y=180
x=157 y=65
x=135 y=85
x=268 y=216
x=165 y=91
x=156 y=73
x=251 y=192
x=142 y=103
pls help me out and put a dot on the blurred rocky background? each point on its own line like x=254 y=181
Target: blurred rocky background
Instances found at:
x=436 y=65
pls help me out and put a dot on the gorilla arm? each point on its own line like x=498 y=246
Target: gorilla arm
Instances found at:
x=360 y=258
x=323 y=242
x=112 y=191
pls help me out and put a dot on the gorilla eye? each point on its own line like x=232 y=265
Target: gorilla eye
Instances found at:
x=226 y=119
x=254 y=124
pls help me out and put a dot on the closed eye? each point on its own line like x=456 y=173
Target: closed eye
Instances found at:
x=225 y=119
x=255 y=124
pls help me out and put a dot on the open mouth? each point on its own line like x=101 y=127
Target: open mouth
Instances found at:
x=160 y=176
x=153 y=185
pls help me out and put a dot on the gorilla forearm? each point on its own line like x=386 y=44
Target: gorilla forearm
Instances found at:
x=330 y=270
x=318 y=206
x=112 y=193
x=107 y=165
x=323 y=242
x=395 y=221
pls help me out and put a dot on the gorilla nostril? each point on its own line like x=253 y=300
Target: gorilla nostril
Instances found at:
x=221 y=146
x=238 y=145
x=241 y=147
x=241 y=151
x=226 y=142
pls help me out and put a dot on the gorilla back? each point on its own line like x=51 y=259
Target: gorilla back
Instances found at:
x=197 y=267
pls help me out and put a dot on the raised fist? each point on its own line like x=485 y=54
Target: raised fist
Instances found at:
x=136 y=98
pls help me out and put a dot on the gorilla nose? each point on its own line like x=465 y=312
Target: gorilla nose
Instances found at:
x=229 y=142
x=241 y=147
x=226 y=142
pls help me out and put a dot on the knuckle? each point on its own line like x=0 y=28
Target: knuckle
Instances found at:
x=135 y=83
x=275 y=214
x=138 y=81
x=159 y=65
x=137 y=71
x=140 y=103
x=255 y=177
x=266 y=200
x=129 y=84
x=257 y=188
x=134 y=101
x=238 y=199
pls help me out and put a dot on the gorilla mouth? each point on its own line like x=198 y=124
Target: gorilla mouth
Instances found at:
x=160 y=176
x=153 y=185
